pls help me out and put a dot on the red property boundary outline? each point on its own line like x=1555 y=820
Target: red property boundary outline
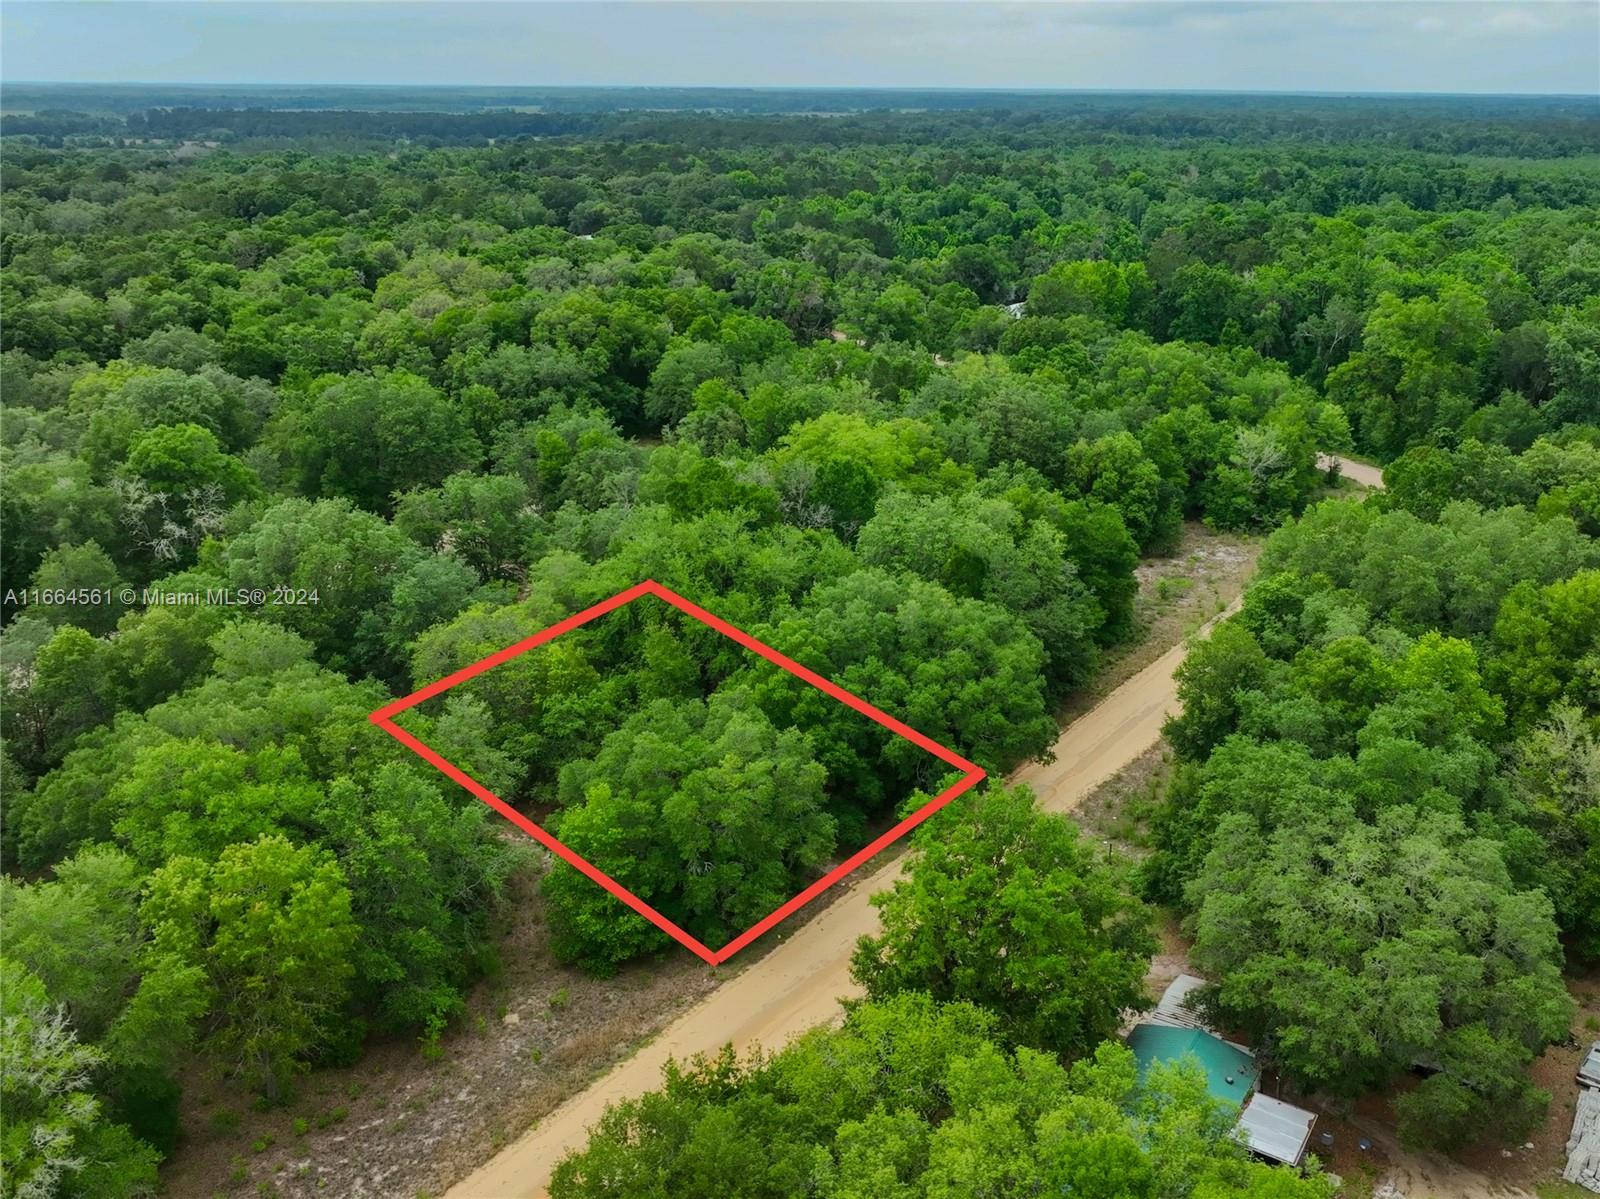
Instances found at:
x=972 y=774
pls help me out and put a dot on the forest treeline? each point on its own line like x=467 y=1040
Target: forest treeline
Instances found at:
x=910 y=413
x=1519 y=126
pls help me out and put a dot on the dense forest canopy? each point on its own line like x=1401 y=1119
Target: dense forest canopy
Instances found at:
x=905 y=394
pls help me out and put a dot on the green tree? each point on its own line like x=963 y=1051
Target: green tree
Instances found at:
x=704 y=811
x=1452 y=965
x=195 y=797
x=271 y=926
x=983 y=549
x=56 y=1140
x=1114 y=470
x=915 y=1100
x=62 y=688
x=351 y=559
x=1212 y=682
x=1418 y=368
x=1547 y=646
x=1555 y=773
x=81 y=935
x=1004 y=906
x=424 y=874
x=84 y=585
x=367 y=438
x=964 y=672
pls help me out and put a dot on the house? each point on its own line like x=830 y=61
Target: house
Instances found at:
x=1174 y=1009
x=1583 y=1147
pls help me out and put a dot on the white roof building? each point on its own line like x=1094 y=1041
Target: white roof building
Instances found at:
x=1275 y=1129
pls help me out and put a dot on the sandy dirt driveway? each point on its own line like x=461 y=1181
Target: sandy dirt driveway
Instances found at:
x=798 y=985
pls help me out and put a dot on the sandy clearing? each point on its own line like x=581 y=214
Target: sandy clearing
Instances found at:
x=798 y=985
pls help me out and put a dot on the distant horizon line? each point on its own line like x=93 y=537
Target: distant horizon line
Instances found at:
x=799 y=87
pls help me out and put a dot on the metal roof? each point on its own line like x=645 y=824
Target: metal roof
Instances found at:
x=1221 y=1061
x=1275 y=1129
x=1174 y=1007
x=1589 y=1072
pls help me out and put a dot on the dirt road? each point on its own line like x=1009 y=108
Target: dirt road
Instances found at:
x=798 y=985
x=1359 y=472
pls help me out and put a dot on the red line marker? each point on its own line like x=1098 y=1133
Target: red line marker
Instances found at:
x=972 y=774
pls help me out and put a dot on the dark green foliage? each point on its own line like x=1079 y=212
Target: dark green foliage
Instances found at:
x=703 y=810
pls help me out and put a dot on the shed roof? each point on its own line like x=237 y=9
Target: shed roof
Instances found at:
x=1174 y=1006
x=1275 y=1129
x=1221 y=1061
x=1589 y=1072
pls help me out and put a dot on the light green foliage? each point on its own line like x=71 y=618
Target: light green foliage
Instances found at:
x=571 y=455
x=196 y=797
x=831 y=470
x=1547 y=645
x=58 y=686
x=1211 y=682
x=1117 y=293
x=82 y=936
x=1453 y=574
x=1005 y=907
x=272 y=928
x=160 y=651
x=180 y=460
x=49 y=503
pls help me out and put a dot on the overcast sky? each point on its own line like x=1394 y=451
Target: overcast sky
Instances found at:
x=1459 y=46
